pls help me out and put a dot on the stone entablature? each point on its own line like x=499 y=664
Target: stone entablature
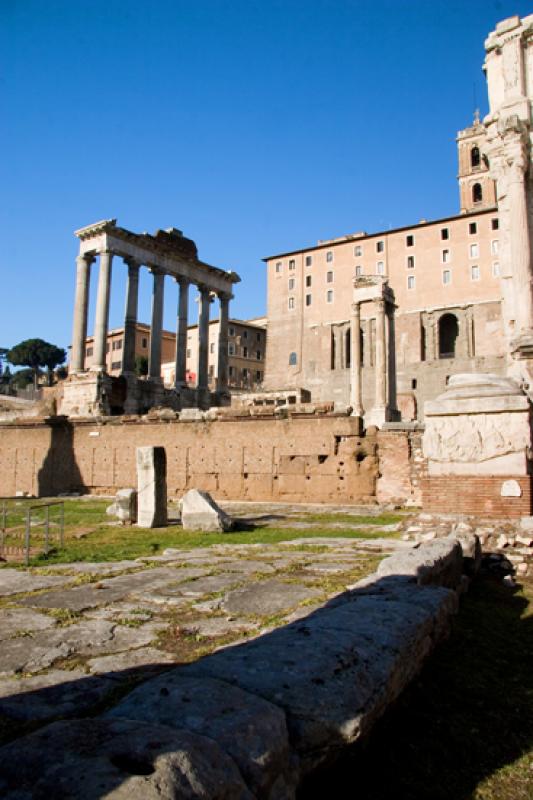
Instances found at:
x=167 y=253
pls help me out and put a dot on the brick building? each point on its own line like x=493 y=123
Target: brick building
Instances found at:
x=445 y=275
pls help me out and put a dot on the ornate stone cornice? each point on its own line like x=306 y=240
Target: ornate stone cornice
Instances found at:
x=95 y=229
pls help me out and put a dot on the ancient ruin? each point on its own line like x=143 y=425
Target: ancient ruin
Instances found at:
x=166 y=253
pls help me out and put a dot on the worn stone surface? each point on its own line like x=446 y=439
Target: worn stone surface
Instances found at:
x=118 y=759
x=438 y=562
x=145 y=657
x=252 y=731
x=15 y=581
x=199 y=512
x=266 y=598
x=125 y=506
x=16 y=622
x=151 y=487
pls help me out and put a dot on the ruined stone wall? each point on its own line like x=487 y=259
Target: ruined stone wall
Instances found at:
x=401 y=467
x=314 y=459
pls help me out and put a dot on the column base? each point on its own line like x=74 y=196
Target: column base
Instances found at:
x=379 y=415
x=86 y=395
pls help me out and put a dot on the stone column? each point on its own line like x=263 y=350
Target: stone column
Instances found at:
x=391 y=361
x=381 y=366
x=222 y=367
x=520 y=244
x=81 y=306
x=130 y=318
x=102 y=312
x=181 y=333
x=356 y=394
x=203 y=338
x=154 y=364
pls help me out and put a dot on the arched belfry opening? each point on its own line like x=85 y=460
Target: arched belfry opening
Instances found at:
x=448 y=333
x=475 y=157
x=477 y=193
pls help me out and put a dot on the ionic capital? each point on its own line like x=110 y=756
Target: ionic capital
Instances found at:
x=132 y=264
x=85 y=259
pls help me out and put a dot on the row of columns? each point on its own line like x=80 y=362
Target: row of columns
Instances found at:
x=384 y=362
x=81 y=307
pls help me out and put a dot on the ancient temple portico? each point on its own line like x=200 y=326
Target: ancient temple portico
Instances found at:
x=167 y=253
x=375 y=291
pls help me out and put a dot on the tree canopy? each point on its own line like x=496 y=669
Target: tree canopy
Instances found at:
x=35 y=354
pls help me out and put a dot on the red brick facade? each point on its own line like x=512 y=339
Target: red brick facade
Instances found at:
x=471 y=494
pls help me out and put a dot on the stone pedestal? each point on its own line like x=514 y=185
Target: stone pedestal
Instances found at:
x=86 y=395
x=151 y=487
x=477 y=439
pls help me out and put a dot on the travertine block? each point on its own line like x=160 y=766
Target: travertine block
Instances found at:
x=151 y=487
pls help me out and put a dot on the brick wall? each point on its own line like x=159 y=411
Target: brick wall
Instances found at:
x=472 y=494
x=306 y=458
x=401 y=466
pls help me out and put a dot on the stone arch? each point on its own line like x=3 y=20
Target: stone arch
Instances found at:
x=477 y=193
x=475 y=156
x=448 y=333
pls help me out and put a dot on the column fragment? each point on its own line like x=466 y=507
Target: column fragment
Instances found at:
x=154 y=364
x=181 y=333
x=130 y=318
x=381 y=367
x=222 y=367
x=356 y=398
x=102 y=312
x=81 y=307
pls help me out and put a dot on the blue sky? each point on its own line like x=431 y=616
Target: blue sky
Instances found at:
x=254 y=127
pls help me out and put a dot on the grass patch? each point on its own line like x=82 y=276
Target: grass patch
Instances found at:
x=100 y=541
x=464 y=729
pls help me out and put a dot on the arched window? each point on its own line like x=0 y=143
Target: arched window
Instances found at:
x=477 y=193
x=293 y=360
x=475 y=156
x=448 y=332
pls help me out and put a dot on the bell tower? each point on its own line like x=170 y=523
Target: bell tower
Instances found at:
x=476 y=188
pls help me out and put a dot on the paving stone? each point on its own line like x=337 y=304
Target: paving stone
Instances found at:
x=126 y=637
x=217 y=626
x=246 y=567
x=145 y=657
x=15 y=581
x=119 y=760
x=265 y=598
x=107 y=591
x=57 y=693
x=252 y=731
x=97 y=567
x=208 y=585
x=17 y=621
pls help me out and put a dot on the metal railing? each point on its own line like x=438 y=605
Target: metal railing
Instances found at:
x=29 y=523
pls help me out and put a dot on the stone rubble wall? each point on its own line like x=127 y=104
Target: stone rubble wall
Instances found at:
x=250 y=720
x=232 y=454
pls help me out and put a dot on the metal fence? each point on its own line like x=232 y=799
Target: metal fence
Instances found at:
x=20 y=525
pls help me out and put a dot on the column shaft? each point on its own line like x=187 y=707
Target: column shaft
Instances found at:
x=381 y=367
x=181 y=334
x=203 y=339
x=130 y=318
x=222 y=368
x=356 y=394
x=154 y=364
x=520 y=253
x=81 y=307
x=102 y=312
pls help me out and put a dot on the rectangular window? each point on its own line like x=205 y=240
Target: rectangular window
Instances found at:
x=107 y=348
x=446 y=276
x=329 y=296
x=474 y=251
x=329 y=256
x=245 y=334
x=358 y=271
x=279 y=266
x=472 y=228
x=89 y=351
x=245 y=352
x=189 y=353
x=495 y=247
x=409 y=240
x=245 y=373
x=258 y=375
x=410 y=281
x=231 y=331
x=358 y=251
x=308 y=261
x=292 y=264
x=307 y=299
x=329 y=277
x=495 y=223
x=231 y=349
x=495 y=269
x=211 y=370
x=212 y=347
x=380 y=246
x=291 y=303
x=474 y=273
x=144 y=343
x=231 y=370
x=308 y=280
x=258 y=336
x=291 y=284
x=444 y=233
x=445 y=256
x=380 y=268
x=115 y=365
x=410 y=262
x=258 y=355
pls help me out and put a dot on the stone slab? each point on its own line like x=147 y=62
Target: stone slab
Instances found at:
x=251 y=730
x=144 y=657
x=439 y=562
x=119 y=760
x=266 y=598
x=16 y=622
x=15 y=581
